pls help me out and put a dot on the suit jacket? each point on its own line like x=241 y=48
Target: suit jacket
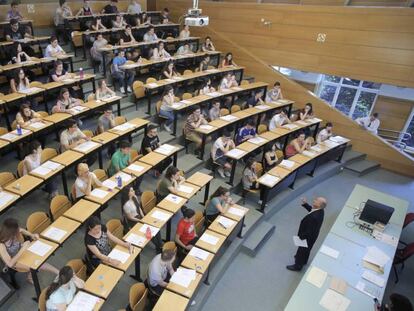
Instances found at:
x=310 y=225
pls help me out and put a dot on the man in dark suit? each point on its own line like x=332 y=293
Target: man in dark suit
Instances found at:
x=309 y=230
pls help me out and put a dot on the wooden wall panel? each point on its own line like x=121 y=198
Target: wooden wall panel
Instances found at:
x=393 y=112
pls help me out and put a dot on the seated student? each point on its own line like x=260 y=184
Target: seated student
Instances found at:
x=133 y=213
x=270 y=157
x=325 y=133
x=169 y=71
x=246 y=132
x=97 y=245
x=207 y=87
x=169 y=183
x=151 y=142
x=228 y=81
x=145 y=20
x=72 y=136
x=119 y=22
x=186 y=235
x=110 y=8
x=19 y=83
x=97 y=24
x=32 y=161
x=255 y=99
x=297 y=145
x=63 y=289
x=228 y=60
x=307 y=112
x=218 y=204
x=208 y=45
x=12 y=247
x=134 y=8
x=214 y=112
x=85 y=10
x=165 y=14
x=84 y=181
x=58 y=74
x=119 y=74
x=121 y=158
x=99 y=43
x=65 y=101
x=14 y=12
x=184 y=50
x=204 y=63
x=166 y=109
x=27 y=116
x=160 y=52
x=370 y=123
x=194 y=121
x=275 y=93
x=18 y=56
x=185 y=33
x=106 y=121
x=160 y=271
x=250 y=179
x=279 y=119
x=127 y=37
x=103 y=91
x=16 y=31
x=220 y=147
x=150 y=35
x=62 y=12
x=54 y=49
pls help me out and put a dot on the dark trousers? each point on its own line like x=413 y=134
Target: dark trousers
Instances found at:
x=159 y=289
x=302 y=256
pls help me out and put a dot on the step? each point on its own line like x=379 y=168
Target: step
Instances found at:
x=351 y=156
x=165 y=137
x=257 y=238
x=363 y=167
x=188 y=162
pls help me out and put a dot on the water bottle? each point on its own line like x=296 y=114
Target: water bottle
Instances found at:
x=81 y=73
x=148 y=233
x=18 y=130
x=119 y=181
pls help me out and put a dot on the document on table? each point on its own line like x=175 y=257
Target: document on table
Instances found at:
x=182 y=277
x=99 y=193
x=119 y=255
x=173 y=198
x=330 y=144
x=373 y=278
x=334 y=301
x=337 y=139
x=236 y=211
x=186 y=101
x=257 y=140
x=287 y=163
x=376 y=257
x=124 y=127
x=316 y=276
x=269 y=180
x=185 y=189
x=371 y=290
x=39 y=248
x=51 y=165
x=41 y=170
x=109 y=184
x=9 y=136
x=237 y=88
x=339 y=285
x=225 y=222
x=229 y=118
x=31 y=90
x=314 y=120
x=209 y=239
x=177 y=105
x=329 y=251
x=136 y=239
x=309 y=154
x=86 y=146
x=198 y=253
x=298 y=242
x=38 y=125
x=316 y=148
x=83 y=301
x=165 y=149
x=206 y=127
x=235 y=153
x=213 y=94
x=290 y=126
x=262 y=107
x=154 y=230
x=6 y=197
x=136 y=168
x=108 y=99
x=55 y=233
x=386 y=238
x=124 y=176
x=160 y=215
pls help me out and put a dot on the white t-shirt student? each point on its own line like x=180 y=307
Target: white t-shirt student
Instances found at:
x=50 y=50
x=158 y=271
x=63 y=295
x=81 y=183
x=277 y=121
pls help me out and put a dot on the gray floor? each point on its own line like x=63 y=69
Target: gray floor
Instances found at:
x=263 y=283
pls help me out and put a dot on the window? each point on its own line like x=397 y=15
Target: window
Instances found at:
x=354 y=98
x=409 y=128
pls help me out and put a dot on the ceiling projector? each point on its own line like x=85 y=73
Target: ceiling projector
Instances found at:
x=194 y=17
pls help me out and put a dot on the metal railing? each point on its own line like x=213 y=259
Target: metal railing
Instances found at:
x=396 y=138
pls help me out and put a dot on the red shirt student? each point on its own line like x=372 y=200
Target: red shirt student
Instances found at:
x=186 y=235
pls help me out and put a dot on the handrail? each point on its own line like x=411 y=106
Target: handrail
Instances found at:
x=392 y=134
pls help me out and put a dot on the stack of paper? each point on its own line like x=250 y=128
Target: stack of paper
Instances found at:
x=314 y=120
x=300 y=243
x=316 y=148
x=39 y=248
x=136 y=168
x=9 y=136
x=373 y=278
x=185 y=101
x=160 y=215
x=165 y=149
x=124 y=176
x=261 y=107
x=235 y=153
x=372 y=291
x=206 y=127
x=83 y=301
x=5 y=198
x=183 y=277
x=269 y=180
x=124 y=127
x=173 y=198
x=41 y=170
x=209 y=239
x=309 y=154
x=213 y=94
x=334 y=301
x=31 y=90
x=257 y=140
x=236 y=211
x=136 y=239
x=51 y=165
x=177 y=105
x=99 y=193
x=77 y=109
x=185 y=189
x=110 y=184
x=38 y=125
x=316 y=276
x=198 y=253
x=86 y=146
x=229 y=118
x=111 y=98
x=119 y=255
x=55 y=233
x=225 y=222
x=386 y=238
x=154 y=230
x=287 y=163
x=330 y=143
x=337 y=139
x=376 y=257
x=290 y=126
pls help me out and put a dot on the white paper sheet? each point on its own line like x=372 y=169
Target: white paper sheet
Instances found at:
x=110 y=184
x=165 y=149
x=124 y=176
x=198 y=253
x=314 y=120
x=136 y=168
x=329 y=251
x=262 y=107
x=225 y=91
x=290 y=126
x=229 y=118
x=372 y=291
x=39 y=248
x=31 y=90
x=181 y=279
x=298 y=242
x=373 y=278
x=5 y=198
x=173 y=198
x=124 y=127
x=209 y=239
x=376 y=256
x=99 y=193
x=309 y=154
x=334 y=301
x=55 y=233
x=316 y=148
x=206 y=127
x=235 y=153
x=86 y=146
x=287 y=163
x=83 y=301
x=225 y=222
x=257 y=140
x=136 y=239
x=185 y=189
x=51 y=165
x=330 y=143
x=337 y=139
x=186 y=101
x=41 y=170
x=38 y=125
x=119 y=255
x=269 y=180
x=386 y=238
x=144 y=227
x=160 y=215
x=109 y=99
x=214 y=94
x=212 y=70
x=177 y=105
x=316 y=276
x=9 y=136
x=236 y=211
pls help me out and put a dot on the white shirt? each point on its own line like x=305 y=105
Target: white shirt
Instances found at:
x=130 y=208
x=371 y=126
x=277 y=121
x=157 y=271
x=51 y=50
x=33 y=161
x=225 y=84
x=80 y=184
x=150 y=38
x=134 y=8
x=323 y=135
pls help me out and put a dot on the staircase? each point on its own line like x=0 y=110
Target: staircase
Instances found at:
x=356 y=162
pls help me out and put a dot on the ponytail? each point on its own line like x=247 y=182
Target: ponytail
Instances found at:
x=65 y=275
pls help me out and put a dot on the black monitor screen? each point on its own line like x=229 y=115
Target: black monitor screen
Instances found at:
x=374 y=211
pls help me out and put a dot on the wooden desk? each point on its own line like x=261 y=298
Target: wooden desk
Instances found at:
x=137 y=169
x=7 y=199
x=123 y=129
x=217 y=227
x=269 y=180
x=270 y=136
x=48 y=175
x=186 y=292
x=138 y=122
x=293 y=168
x=299 y=158
x=62 y=223
x=218 y=123
x=172 y=203
x=103 y=280
x=279 y=171
x=57 y=117
x=68 y=157
x=197 y=264
x=24 y=185
x=34 y=261
x=37 y=129
x=240 y=209
x=124 y=266
x=186 y=195
x=12 y=97
x=82 y=210
x=105 y=138
x=152 y=158
x=136 y=230
x=52 y=85
x=247 y=146
x=87 y=147
x=3 y=143
x=79 y=294
x=151 y=220
x=168 y=299
x=126 y=179
x=199 y=179
x=210 y=247
x=13 y=137
x=110 y=193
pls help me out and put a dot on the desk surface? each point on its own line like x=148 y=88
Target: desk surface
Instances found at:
x=152 y=158
x=137 y=168
x=152 y=220
x=62 y=223
x=210 y=247
x=82 y=210
x=34 y=261
x=103 y=280
x=187 y=195
x=23 y=185
x=192 y=262
x=199 y=179
x=172 y=203
x=185 y=291
x=68 y=157
x=168 y=299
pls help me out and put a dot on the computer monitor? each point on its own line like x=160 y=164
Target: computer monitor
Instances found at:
x=376 y=212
